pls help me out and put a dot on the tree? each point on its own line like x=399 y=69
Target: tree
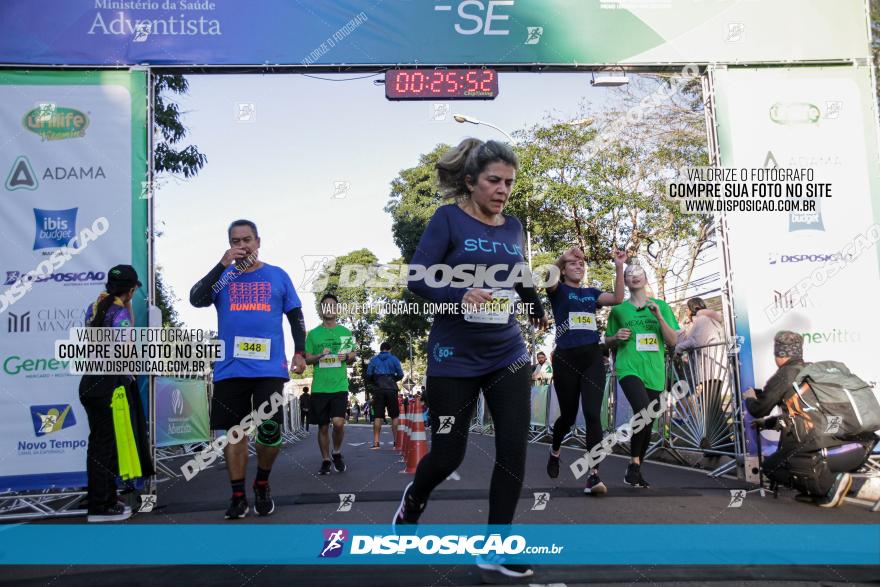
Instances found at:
x=165 y=302
x=169 y=131
x=356 y=313
x=611 y=196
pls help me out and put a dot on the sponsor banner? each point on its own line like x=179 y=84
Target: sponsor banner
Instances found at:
x=804 y=270
x=181 y=411
x=223 y=32
x=72 y=169
x=597 y=544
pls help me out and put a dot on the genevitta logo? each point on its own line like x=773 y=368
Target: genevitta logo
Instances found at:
x=22 y=176
x=43 y=367
x=334 y=542
x=54 y=228
x=67 y=278
x=51 y=418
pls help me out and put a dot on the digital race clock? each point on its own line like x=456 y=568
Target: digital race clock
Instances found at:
x=441 y=84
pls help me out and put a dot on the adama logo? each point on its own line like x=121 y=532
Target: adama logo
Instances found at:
x=334 y=542
x=54 y=123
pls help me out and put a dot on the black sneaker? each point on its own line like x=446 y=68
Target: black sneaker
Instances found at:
x=238 y=508
x=837 y=493
x=553 y=466
x=634 y=477
x=594 y=485
x=408 y=512
x=338 y=463
x=263 y=502
x=112 y=513
x=325 y=467
x=495 y=568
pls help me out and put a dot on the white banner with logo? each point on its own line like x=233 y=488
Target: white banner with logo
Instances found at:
x=813 y=273
x=73 y=162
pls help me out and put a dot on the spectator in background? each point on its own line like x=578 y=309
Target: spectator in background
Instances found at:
x=542 y=372
x=304 y=402
x=705 y=328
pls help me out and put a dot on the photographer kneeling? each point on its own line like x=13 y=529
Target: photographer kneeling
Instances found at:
x=814 y=461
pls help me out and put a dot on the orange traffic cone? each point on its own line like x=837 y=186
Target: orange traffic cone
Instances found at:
x=405 y=425
x=418 y=445
x=398 y=438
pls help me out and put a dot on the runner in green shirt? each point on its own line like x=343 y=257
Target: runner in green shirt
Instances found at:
x=330 y=347
x=640 y=329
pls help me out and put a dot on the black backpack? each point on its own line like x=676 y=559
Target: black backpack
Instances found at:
x=833 y=403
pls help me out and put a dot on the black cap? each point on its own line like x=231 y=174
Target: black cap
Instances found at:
x=124 y=275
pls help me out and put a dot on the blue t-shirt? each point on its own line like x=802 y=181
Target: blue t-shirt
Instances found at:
x=456 y=347
x=251 y=306
x=574 y=312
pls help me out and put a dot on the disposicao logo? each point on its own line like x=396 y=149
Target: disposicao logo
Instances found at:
x=49 y=419
x=334 y=542
x=55 y=123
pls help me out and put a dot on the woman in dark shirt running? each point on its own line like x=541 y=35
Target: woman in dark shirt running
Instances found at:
x=478 y=347
x=578 y=370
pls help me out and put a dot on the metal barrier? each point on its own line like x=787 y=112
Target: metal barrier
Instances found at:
x=708 y=420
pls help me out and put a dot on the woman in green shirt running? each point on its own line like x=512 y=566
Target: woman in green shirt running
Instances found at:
x=640 y=329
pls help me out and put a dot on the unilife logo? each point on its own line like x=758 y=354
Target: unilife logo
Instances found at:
x=334 y=542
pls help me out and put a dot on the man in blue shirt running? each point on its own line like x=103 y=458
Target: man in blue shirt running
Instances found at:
x=250 y=297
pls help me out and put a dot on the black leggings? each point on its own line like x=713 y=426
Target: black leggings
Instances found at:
x=508 y=398
x=639 y=398
x=578 y=373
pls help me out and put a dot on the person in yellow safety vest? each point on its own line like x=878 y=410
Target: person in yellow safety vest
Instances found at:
x=118 y=444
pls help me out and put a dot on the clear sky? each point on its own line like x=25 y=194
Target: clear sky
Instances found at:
x=281 y=168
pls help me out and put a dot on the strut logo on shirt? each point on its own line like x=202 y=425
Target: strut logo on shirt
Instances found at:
x=252 y=295
x=490 y=246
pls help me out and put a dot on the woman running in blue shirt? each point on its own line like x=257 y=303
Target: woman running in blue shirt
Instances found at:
x=479 y=346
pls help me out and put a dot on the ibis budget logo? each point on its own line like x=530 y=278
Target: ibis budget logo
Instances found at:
x=54 y=123
x=51 y=418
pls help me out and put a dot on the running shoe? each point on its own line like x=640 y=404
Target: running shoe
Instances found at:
x=496 y=569
x=376 y=446
x=238 y=508
x=338 y=463
x=594 y=484
x=325 y=467
x=112 y=513
x=263 y=502
x=408 y=512
x=553 y=466
x=835 y=496
x=634 y=477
